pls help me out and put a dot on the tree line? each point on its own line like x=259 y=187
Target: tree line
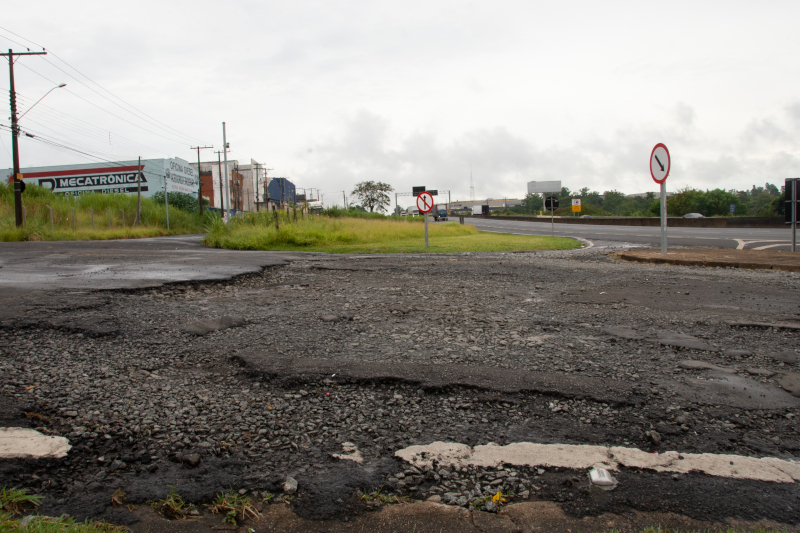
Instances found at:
x=766 y=201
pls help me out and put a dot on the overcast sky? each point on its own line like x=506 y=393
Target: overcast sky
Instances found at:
x=417 y=93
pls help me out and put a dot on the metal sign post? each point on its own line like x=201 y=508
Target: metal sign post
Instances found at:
x=425 y=204
x=551 y=202
x=659 y=170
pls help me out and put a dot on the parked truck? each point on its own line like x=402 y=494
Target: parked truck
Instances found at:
x=477 y=210
x=439 y=212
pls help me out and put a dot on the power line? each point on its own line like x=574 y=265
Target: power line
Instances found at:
x=153 y=121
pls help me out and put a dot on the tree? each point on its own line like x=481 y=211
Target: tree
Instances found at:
x=531 y=204
x=373 y=194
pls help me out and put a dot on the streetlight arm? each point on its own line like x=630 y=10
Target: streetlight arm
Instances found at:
x=42 y=98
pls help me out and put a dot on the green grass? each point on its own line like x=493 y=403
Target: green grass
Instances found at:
x=17 y=501
x=37 y=221
x=62 y=524
x=233 y=505
x=256 y=231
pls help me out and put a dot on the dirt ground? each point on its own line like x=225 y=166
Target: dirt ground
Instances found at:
x=240 y=384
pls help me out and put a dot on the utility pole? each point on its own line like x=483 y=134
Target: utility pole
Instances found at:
x=345 y=200
x=139 y=192
x=219 y=167
x=18 y=184
x=199 y=179
x=225 y=147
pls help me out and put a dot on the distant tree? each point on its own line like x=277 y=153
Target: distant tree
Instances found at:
x=373 y=194
x=531 y=203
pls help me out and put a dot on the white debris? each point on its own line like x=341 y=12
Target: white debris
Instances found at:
x=602 y=478
x=351 y=453
x=23 y=443
x=587 y=456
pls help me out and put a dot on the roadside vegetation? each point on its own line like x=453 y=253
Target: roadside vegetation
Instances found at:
x=766 y=201
x=114 y=216
x=16 y=502
x=257 y=231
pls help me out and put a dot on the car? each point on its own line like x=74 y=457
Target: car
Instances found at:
x=586 y=216
x=693 y=215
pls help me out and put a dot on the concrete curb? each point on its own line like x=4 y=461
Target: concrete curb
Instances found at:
x=713 y=258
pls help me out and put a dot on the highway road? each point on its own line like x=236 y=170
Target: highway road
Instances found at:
x=739 y=238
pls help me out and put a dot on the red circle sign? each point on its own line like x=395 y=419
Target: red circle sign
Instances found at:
x=659 y=163
x=425 y=202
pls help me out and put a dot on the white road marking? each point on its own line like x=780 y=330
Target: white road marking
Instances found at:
x=772 y=246
x=608 y=457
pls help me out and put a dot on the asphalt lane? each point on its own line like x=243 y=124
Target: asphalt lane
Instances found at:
x=123 y=263
x=737 y=238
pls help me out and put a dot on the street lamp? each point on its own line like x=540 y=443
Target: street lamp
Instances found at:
x=42 y=98
x=19 y=185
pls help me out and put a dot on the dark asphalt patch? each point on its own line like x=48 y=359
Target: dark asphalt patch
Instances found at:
x=725 y=388
x=204 y=327
x=437 y=377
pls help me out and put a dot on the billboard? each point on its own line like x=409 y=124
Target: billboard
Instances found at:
x=114 y=177
x=541 y=187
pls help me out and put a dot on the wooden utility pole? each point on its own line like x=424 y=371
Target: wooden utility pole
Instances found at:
x=219 y=159
x=139 y=192
x=199 y=177
x=18 y=184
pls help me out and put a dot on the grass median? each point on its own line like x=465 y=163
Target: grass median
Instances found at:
x=114 y=216
x=256 y=231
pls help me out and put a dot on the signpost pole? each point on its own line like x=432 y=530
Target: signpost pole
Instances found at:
x=794 y=215
x=166 y=204
x=552 y=224
x=664 y=217
x=426 y=230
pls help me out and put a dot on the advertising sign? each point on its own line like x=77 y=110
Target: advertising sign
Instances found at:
x=115 y=177
x=576 y=205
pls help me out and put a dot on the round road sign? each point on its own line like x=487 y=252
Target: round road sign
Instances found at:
x=659 y=163
x=424 y=202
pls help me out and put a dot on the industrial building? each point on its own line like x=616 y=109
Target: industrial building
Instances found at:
x=248 y=186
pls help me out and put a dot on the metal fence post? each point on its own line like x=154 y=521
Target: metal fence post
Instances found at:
x=109 y=217
x=51 y=216
x=73 y=218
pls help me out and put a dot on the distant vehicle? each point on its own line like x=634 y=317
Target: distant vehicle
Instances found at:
x=586 y=216
x=477 y=210
x=693 y=215
x=439 y=213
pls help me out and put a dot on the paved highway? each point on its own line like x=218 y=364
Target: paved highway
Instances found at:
x=740 y=238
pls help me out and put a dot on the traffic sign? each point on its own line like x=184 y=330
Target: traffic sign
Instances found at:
x=659 y=163
x=551 y=202
x=416 y=190
x=576 y=205
x=733 y=208
x=425 y=202
x=434 y=193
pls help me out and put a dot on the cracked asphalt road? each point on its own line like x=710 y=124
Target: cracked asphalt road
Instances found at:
x=241 y=382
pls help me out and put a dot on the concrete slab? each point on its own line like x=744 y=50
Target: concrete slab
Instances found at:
x=24 y=443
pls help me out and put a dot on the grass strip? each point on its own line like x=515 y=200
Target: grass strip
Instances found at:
x=356 y=235
x=114 y=215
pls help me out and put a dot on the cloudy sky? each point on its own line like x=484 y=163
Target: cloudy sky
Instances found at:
x=419 y=92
